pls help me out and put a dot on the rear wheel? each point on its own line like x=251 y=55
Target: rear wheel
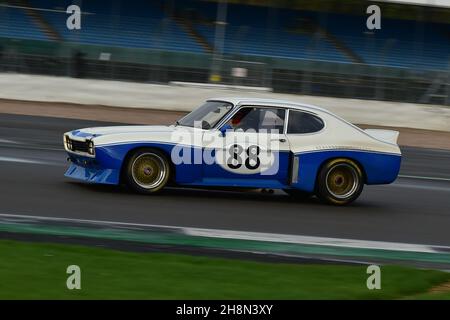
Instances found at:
x=147 y=171
x=339 y=182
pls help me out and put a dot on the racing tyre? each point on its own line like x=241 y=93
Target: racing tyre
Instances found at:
x=147 y=171
x=339 y=182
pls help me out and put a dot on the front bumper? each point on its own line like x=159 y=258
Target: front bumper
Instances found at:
x=88 y=170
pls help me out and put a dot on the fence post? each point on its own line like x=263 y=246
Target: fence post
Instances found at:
x=219 y=39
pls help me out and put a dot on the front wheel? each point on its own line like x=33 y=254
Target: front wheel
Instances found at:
x=339 y=182
x=147 y=171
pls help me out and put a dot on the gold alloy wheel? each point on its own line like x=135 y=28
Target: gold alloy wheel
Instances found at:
x=149 y=170
x=342 y=180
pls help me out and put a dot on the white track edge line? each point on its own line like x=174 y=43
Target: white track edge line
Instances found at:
x=258 y=236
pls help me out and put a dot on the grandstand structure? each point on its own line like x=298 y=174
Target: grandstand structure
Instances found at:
x=298 y=49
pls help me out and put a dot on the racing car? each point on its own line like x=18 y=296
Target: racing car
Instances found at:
x=240 y=143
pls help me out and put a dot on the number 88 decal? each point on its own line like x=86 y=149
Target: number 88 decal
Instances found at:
x=252 y=161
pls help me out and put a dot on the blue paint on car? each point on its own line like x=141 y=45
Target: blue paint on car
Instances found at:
x=379 y=168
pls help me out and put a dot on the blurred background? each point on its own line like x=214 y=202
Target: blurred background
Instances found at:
x=168 y=57
x=320 y=47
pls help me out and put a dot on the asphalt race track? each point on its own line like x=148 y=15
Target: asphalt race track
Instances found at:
x=415 y=209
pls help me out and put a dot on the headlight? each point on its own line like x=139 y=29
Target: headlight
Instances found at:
x=91 y=149
x=68 y=142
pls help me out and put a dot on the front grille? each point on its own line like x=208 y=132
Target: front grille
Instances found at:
x=75 y=145
x=80 y=146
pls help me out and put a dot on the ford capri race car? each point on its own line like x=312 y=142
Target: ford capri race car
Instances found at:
x=243 y=143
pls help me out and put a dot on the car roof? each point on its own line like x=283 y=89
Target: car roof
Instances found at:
x=269 y=102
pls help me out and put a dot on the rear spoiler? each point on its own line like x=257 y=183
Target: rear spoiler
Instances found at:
x=389 y=136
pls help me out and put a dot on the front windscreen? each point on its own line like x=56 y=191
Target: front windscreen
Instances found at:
x=206 y=116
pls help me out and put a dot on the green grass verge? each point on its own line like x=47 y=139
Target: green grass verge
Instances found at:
x=38 y=271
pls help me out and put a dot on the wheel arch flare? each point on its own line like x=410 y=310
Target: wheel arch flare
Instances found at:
x=377 y=167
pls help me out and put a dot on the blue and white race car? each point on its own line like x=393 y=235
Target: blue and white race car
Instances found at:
x=242 y=143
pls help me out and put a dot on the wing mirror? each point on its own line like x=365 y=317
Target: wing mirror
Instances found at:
x=224 y=129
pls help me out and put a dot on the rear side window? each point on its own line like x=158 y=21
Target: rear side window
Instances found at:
x=302 y=122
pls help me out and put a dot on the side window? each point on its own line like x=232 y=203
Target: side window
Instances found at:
x=302 y=122
x=258 y=119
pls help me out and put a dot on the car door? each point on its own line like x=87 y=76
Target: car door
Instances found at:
x=253 y=152
x=304 y=131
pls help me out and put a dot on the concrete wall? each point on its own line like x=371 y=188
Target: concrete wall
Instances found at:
x=186 y=98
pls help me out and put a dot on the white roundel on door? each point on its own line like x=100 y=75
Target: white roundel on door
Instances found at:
x=247 y=158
